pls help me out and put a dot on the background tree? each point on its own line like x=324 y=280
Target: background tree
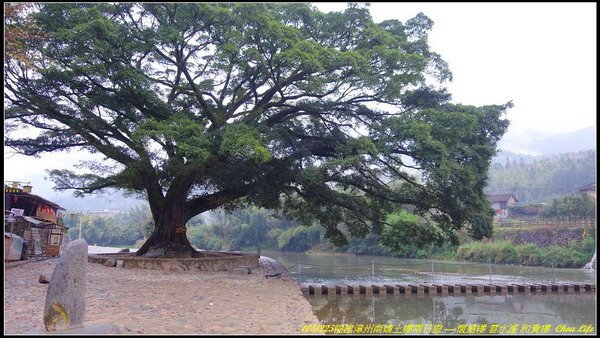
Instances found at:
x=544 y=179
x=19 y=30
x=198 y=106
x=571 y=207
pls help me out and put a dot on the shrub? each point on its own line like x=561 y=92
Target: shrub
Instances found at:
x=504 y=252
x=528 y=254
x=576 y=255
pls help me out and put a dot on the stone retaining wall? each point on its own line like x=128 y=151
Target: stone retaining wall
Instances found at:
x=222 y=263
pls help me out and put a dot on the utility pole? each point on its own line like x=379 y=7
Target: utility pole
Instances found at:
x=73 y=215
x=79 y=226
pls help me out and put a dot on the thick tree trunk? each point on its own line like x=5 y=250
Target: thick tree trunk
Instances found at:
x=169 y=236
x=171 y=213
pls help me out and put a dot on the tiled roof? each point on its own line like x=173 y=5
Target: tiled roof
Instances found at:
x=500 y=198
x=26 y=194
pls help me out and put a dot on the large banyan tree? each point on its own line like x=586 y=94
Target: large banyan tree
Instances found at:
x=327 y=117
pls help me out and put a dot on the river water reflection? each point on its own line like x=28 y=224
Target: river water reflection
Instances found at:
x=350 y=269
x=542 y=309
x=525 y=311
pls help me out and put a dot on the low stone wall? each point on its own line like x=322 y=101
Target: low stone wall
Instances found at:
x=221 y=263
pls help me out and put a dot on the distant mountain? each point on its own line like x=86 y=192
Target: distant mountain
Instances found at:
x=543 y=179
x=113 y=200
x=539 y=143
x=503 y=156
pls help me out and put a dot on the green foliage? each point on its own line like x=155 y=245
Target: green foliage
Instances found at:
x=576 y=255
x=525 y=210
x=199 y=106
x=122 y=229
x=204 y=237
x=545 y=178
x=243 y=142
x=406 y=232
x=370 y=245
x=570 y=207
x=251 y=228
x=300 y=238
x=587 y=246
x=189 y=135
x=445 y=252
x=529 y=254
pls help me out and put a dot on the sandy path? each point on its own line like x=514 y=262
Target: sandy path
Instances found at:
x=164 y=302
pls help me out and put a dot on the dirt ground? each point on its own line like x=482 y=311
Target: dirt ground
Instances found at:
x=164 y=302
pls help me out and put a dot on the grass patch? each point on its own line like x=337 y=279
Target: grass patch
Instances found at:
x=576 y=255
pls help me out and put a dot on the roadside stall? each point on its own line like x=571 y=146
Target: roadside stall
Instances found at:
x=32 y=223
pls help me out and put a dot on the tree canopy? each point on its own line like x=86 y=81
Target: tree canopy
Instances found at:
x=330 y=117
x=571 y=207
x=544 y=178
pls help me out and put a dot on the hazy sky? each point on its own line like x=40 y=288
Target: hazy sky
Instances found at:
x=542 y=56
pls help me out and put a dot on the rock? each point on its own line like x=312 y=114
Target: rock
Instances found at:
x=124 y=250
x=65 y=299
x=110 y=262
x=591 y=264
x=44 y=279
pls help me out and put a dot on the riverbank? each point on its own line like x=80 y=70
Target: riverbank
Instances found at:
x=574 y=255
x=164 y=302
x=541 y=252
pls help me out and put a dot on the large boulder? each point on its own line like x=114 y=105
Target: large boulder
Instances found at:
x=65 y=299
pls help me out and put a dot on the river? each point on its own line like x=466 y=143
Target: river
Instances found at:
x=543 y=312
